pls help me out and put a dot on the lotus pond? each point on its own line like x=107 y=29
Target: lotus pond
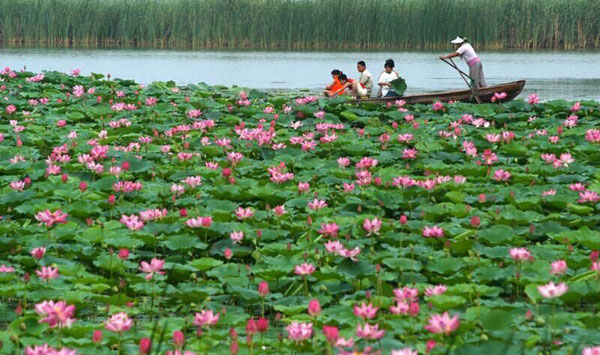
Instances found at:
x=167 y=219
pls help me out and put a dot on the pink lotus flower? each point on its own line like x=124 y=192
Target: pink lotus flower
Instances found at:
x=235 y=157
x=303 y=186
x=558 y=267
x=299 y=331
x=329 y=230
x=405 y=351
x=56 y=314
x=320 y=114
x=519 y=254
x=304 y=269
x=551 y=290
x=533 y=99
x=577 y=187
x=155 y=266
x=348 y=187
x=334 y=246
x=435 y=291
x=591 y=351
x=38 y=253
x=206 y=318
x=550 y=192
x=17 y=185
x=47 y=350
x=433 y=232
x=204 y=222
x=343 y=162
x=6 y=269
x=244 y=213
x=317 y=204
x=366 y=163
x=50 y=218
x=442 y=324
x=588 y=196
x=236 y=237
x=47 y=273
x=372 y=226
x=132 y=222
x=595 y=266
x=118 y=323
x=400 y=308
x=350 y=253
x=501 y=175
x=498 y=96
x=279 y=210
x=370 y=332
x=437 y=106
x=409 y=153
x=576 y=106
x=365 y=311
x=406 y=294
x=153 y=215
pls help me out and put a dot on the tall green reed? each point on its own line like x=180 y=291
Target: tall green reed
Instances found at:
x=301 y=24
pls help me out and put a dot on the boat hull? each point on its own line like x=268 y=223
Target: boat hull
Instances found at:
x=512 y=90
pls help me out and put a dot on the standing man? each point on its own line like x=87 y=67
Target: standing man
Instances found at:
x=366 y=79
x=466 y=52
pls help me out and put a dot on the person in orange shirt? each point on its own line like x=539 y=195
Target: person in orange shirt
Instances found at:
x=335 y=87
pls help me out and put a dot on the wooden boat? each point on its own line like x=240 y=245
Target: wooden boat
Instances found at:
x=512 y=90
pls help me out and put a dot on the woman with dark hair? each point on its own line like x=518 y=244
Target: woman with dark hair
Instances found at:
x=466 y=52
x=335 y=86
x=385 y=79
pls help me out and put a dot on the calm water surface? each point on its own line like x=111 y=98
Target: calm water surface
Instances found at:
x=568 y=75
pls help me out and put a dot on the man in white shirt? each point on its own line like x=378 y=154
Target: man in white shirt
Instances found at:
x=366 y=79
x=466 y=52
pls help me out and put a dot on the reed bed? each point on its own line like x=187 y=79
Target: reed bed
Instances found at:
x=301 y=24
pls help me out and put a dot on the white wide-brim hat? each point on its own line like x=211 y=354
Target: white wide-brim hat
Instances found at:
x=457 y=40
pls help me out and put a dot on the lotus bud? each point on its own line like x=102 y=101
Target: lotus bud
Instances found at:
x=123 y=253
x=594 y=255
x=475 y=221
x=183 y=212
x=97 y=337
x=277 y=316
x=414 y=309
x=27 y=181
x=403 y=219
x=259 y=233
x=263 y=288
x=64 y=178
x=368 y=294
x=251 y=327
x=233 y=334
x=528 y=315
x=234 y=348
x=145 y=346
x=199 y=332
x=19 y=310
x=262 y=324
x=178 y=339
x=82 y=186
x=314 y=307
x=26 y=277
x=378 y=268
x=228 y=254
x=226 y=172
x=111 y=199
